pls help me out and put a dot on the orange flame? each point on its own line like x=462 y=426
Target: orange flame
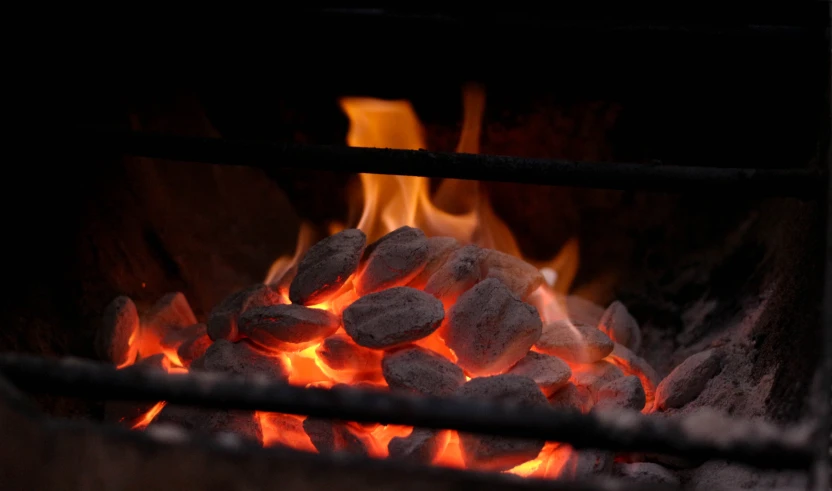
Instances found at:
x=149 y=416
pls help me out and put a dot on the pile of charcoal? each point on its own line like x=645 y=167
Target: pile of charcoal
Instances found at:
x=408 y=313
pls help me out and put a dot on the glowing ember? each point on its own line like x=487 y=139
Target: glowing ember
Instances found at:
x=457 y=275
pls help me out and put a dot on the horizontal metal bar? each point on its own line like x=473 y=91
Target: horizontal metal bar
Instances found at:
x=753 y=443
x=801 y=183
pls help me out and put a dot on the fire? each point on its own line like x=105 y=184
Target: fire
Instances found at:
x=459 y=209
x=149 y=416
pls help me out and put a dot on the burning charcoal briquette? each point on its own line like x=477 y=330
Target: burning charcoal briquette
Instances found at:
x=339 y=352
x=645 y=473
x=175 y=337
x=421 y=371
x=242 y=423
x=576 y=343
x=490 y=329
x=241 y=359
x=119 y=324
x=550 y=373
x=594 y=375
x=439 y=250
x=193 y=348
x=287 y=327
x=421 y=446
x=460 y=272
x=498 y=453
x=392 y=317
x=638 y=366
x=393 y=260
x=621 y=393
x=223 y=319
x=620 y=326
x=172 y=311
x=519 y=276
x=332 y=436
x=572 y=396
x=189 y=343
x=687 y=380
x=326 y=266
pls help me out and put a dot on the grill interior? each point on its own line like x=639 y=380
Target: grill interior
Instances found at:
x=697 y=268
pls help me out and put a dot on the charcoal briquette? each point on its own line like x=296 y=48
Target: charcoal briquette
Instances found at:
x=222 y=321
x=576 y=343
x=242 y=359
x=172 y=311
x=334 y=437
x=326 y=266
x=421 y=371
x=339 y=352
x=519 y=276
x=459 y=273
x=422 y=446
x=688 y=379
x=392 y=260
x=439 y=250
x=287 y=327
x=572 y=396
x=621 y=393
x=490 y=329
x=200 y=420
x=119 y=324
x=593 y=376
x=392 y=317
x=621 y=326
x=550 y=373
